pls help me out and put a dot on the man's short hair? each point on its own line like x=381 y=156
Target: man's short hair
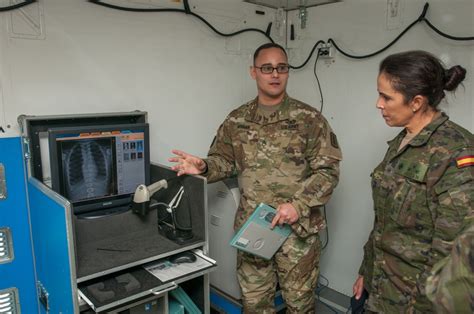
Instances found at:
x=267 y=46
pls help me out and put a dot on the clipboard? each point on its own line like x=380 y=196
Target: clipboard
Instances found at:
x=256 y=237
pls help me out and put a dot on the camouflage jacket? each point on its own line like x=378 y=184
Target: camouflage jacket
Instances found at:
x=450 y=285
x=292 y=156
x=421 y=195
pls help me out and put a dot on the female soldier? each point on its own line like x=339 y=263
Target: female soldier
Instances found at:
x=423 y=188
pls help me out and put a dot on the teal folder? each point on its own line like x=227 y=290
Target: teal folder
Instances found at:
x=189 y=306
x=256 y=236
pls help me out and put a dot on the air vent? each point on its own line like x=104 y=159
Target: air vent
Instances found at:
x=289 y=5
x=9 y=301
x=6 y=246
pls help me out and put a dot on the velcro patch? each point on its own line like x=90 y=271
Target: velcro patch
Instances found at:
x=334 y=142
x=465 y=161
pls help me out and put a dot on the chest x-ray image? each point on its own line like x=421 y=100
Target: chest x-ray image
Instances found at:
x=88 y=168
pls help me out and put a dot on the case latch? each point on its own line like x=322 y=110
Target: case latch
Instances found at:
x=43 y=295
x=3 y=183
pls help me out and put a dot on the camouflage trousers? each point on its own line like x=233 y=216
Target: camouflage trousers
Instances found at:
x=295 y=267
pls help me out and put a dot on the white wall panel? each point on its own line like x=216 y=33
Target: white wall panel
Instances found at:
x=88 y=58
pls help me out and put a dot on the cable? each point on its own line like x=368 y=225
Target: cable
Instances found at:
x=446 y=35
x=321 y=111
x=187 y=11
x=128 y=9
x=326 y=230
x=309 y=57
x=330 y=40
x=319 y=86
x=16 y=6
x=421 y=18
x=234 y=33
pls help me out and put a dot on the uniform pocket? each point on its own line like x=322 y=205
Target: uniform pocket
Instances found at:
x=379 y=191
x=278 y=148
x=408 y=206
x=401 y=203
x=294 y=152
x=245 y=144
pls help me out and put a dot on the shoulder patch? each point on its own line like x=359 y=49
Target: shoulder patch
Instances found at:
x=465 y=161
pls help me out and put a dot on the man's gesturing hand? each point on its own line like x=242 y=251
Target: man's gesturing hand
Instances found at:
x=187 y=163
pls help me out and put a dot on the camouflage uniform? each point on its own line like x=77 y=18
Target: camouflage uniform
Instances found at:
x=421 y=195
x=292 y=156
x=451 y=283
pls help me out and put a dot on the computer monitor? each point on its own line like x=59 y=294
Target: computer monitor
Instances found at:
x=97 y=168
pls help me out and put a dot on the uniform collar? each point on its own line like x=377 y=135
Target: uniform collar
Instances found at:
x=252 y=114
x=425 y=134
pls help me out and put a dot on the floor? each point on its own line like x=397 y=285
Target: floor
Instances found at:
x=328 y=301
x=321 y=308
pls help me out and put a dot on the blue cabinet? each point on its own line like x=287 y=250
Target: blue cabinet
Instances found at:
x=17 y=276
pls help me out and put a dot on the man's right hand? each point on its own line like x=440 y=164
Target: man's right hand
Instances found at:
x=186 y=163
x=358 y=287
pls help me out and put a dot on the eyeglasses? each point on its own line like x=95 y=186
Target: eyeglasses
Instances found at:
x=268 y=69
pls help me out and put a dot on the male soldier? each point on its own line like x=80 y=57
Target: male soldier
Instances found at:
x=284 y=154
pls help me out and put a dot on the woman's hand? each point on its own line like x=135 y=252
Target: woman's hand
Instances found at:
x=358 y=287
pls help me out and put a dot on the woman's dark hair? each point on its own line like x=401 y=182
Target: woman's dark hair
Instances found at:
x=420 y=73
x=267 y=46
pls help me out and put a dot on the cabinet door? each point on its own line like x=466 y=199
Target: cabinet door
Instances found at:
x=53 y=244
x=17 y=280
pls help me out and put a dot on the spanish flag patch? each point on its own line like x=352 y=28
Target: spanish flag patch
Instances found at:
x=465 y=161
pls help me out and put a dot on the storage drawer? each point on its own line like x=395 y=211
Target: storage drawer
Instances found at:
x=156 y=278
x=110 y=291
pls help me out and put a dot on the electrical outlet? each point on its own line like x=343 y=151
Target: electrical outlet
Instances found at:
x=326 y=52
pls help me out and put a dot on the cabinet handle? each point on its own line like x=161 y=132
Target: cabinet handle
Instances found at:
x=158 y=291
